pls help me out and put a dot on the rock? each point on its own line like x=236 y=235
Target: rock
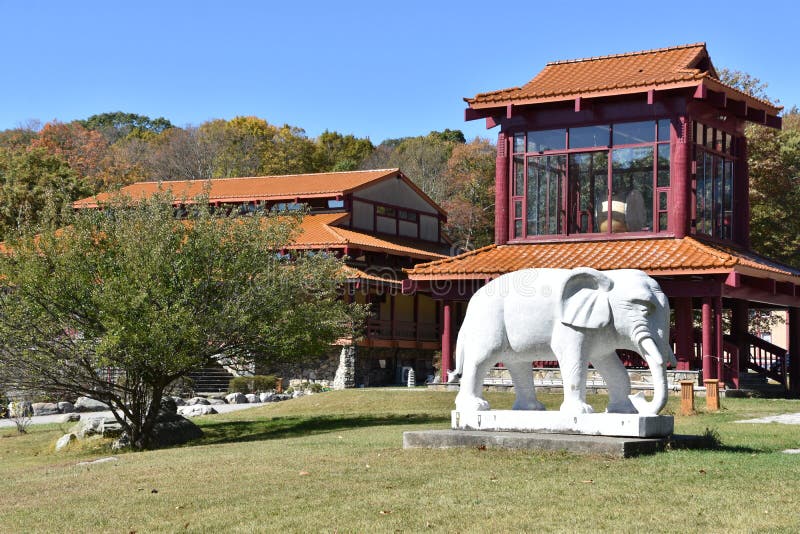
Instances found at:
x=236 y=398
x=266 y=397
x=87 y=404
x=66 y=407
x=277 y=397
x=44 y=408
x=64 y=441
x=104 y=426
x=69 y=418
x=20 y=409
x=173 y=429
x=99 y=461
x=216 y=402
x=168 y=404
x=179 y=401
x=298 y=393
x=196 y=410
x=251 y=397
x=197 y=400
x=124 y=442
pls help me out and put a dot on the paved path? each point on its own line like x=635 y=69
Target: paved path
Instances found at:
x=45 y=419
x=785 y=419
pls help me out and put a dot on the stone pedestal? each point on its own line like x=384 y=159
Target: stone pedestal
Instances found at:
x=346 y=372
x=595 y=424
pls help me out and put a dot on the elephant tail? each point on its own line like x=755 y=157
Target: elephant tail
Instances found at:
x=455 y=375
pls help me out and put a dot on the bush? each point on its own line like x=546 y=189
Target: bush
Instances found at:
x=252 y=384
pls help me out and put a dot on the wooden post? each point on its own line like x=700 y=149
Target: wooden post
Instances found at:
x=446 y=344
x=680 y=176
x=501 y=191
x=794 y=350
x=739 y=326
x=687 y=397
x=708 y=340
x=684 y=333
x=719 y=346
x=712 y=394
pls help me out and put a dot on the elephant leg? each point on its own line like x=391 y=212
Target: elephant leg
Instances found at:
x=522 y=377
x=573 y=375
x=618 y=383
x=470 y=393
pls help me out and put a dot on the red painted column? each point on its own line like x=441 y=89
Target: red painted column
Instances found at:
x=684 y=335
x=719 y=341
x=739 y=327
x=680 y=177
x=794 y=350
x=501 y=191
x=708 y=339
x=447 y=350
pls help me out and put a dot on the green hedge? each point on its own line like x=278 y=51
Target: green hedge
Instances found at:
x=252 y=384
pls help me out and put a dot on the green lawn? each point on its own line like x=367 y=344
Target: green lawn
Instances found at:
x=334 y=462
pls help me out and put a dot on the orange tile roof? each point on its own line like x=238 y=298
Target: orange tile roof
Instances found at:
x=286 y=187
x=633 y=72
x=654 y=256
x=353 y=274
x=318 y=231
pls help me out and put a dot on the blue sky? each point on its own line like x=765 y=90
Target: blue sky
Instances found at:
x=374 y=69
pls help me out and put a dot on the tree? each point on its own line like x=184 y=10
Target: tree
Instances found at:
x=469 y=199
x=336 y=152
x=31 y=178
x=84 y=150
x=131 y=288
x=118 y=125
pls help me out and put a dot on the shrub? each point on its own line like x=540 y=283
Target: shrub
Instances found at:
x=252 y=384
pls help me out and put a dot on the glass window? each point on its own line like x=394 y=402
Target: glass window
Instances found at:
x=332 y=204
x=664 y=130
x=663 y=165
x=545 y=179
x=588 y=176
x=385 y=211
x=519 y=143
x=547 y=140
x=519 y=176
x=589 y=136
x=632 y=133
x=631 y=190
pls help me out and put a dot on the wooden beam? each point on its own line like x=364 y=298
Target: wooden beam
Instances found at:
x=472 y=114
x=690 y=288
x=701 y=92
x=509 y=111
x=578 y=101
x=716 y=98
x=651 y=97
x=773 y=121
x=491 y=122
x=736 y=107
x=757 y=115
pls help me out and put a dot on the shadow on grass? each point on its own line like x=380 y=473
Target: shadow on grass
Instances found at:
x=292 y=426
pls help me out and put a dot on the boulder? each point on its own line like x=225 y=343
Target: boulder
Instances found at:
x=172 y=429
x=20 y=409
x=44 y=408
x=168 y=404
x=104 y=426
x=196 y=410
x=277 y=397
x=251 y=397
x=266 y=397
x=216 y=402
x=64 y=441
x=87 y=404
x=179 y=401
x=236 y=398
x=69 y=418
x=298 y=393
x=66 y=407
x=196 y=400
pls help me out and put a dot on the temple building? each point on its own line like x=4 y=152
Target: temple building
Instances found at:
x=380 y=221
x=633 y=161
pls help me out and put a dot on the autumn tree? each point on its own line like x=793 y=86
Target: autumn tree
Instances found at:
x=29 y=180
x=469 y=195
x=336 y=152
x=131 y=288
x=118 y=125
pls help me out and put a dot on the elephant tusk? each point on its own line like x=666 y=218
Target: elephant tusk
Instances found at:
x=656 y=362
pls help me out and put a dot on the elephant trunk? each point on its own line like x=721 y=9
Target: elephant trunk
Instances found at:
x=655 y=359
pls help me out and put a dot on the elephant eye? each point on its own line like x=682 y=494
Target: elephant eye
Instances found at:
x=647 y=307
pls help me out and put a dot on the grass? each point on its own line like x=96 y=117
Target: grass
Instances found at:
x=334 y=462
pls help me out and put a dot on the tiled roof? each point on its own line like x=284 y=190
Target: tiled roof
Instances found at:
x=318 y=231
x=655 y=256
x=286 y=187
x=354 y=274
x=663 y=68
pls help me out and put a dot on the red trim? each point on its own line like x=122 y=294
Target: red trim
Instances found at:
x=708 y=339
x=447 y=312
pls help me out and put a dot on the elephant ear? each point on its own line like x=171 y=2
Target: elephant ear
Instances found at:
x=584 y=299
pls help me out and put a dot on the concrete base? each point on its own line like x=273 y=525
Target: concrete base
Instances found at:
x=593 y=424
x=577 y=444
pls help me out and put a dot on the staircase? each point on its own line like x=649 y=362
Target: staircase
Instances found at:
x=757 y=384
x=211 y=379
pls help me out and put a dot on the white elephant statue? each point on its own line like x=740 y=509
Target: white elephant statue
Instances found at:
x=577 y=317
